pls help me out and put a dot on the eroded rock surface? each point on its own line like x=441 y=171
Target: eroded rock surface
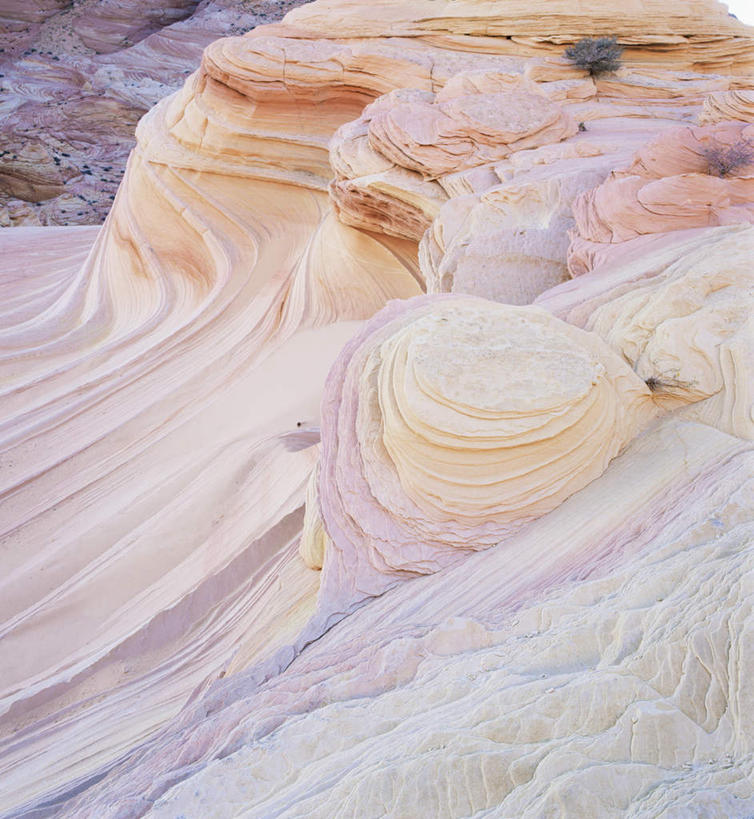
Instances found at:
x=75 y=81
x=533 y=522
x=449 y=423
x=678 y=181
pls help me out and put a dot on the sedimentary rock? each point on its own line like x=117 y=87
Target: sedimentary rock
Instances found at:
x=679 y=310
x=79 y=107
x=110 y=26
x=504 y=234
x=449 y=423
x=561 y=557
x=596 y=663
x=510 y=242
x=388 y=161
x=699 y=34
x=727 y=105
x=122 y=360
x=672 y=184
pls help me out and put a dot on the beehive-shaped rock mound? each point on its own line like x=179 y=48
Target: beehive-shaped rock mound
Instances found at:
x=451 y=421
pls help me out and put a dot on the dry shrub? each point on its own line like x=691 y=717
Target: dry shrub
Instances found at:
x=597 y=56
x=725 y=160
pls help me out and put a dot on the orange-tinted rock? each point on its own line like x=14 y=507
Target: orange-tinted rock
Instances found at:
x=672 y=184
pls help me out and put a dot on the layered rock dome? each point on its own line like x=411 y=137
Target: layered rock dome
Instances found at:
x=450 y=422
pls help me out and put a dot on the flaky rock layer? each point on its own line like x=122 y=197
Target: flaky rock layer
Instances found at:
x=450 y=422
x=678 y=181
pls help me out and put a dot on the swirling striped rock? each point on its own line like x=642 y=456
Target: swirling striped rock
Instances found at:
x=462 y=128
x=597 y=661
x=737 y=104
x=449 y=423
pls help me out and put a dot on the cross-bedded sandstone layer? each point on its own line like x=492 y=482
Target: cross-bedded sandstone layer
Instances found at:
x=534 y=522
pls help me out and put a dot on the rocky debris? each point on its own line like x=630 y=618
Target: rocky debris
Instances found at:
x=76 y=78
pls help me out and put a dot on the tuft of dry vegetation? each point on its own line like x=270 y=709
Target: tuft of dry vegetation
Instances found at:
x=596 y=55
x=725 y=160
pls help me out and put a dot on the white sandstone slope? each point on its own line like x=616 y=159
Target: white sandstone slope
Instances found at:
x=544 y=677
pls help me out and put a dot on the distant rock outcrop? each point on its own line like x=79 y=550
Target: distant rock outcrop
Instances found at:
x=75 y=81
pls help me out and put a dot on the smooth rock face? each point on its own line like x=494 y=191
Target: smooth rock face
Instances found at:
x=144 y=416
x=533 y=523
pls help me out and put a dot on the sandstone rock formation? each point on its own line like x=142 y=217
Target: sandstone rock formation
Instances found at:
x=495 y=220
x=730 y=105
x=110 y=26
x=539 y=676
x=672 y=184
x=699 y=34
x=534 y=522
x=679 y=310
x=449 y=423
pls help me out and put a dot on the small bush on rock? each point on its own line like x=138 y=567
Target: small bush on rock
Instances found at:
x=724 y=160
x=597 y=56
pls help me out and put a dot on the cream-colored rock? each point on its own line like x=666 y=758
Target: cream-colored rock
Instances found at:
x=451 y=422
x=165 y=647
x=143 y=408
x=680 y=313
x=313 y=535
x=510 y=242
x=594 y=665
